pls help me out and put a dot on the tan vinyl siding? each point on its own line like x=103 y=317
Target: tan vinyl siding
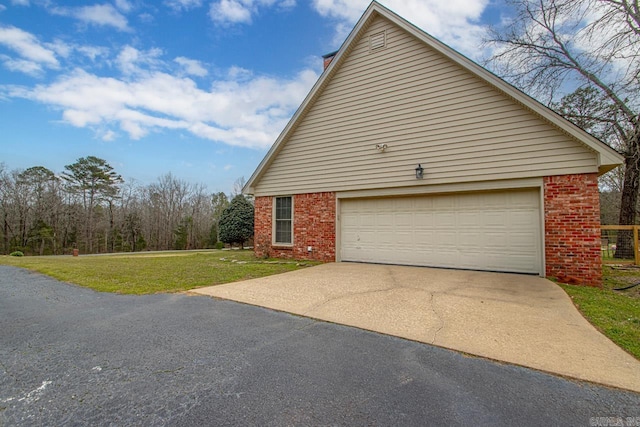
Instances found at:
x=427 y=110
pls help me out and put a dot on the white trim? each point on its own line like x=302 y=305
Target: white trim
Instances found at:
x=273 y=222
x=543 y=256
x=444 y=188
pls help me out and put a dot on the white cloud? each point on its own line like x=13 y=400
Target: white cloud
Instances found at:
x=3 y=8
x=34 y=54
x=454 y=22
x=60 y=48
x=132 y=61
x=183 y=4
x=249 y=112
x=237 y=108
x=21 y=65
x=93 y=52
x=66 y=51
x=100 y=14
x=191 y=66
x=227 y=12
x=108 y=135
x=20 y=2
x=124 y=5
x=239 y=73
x=146 y=18
x=230 y=11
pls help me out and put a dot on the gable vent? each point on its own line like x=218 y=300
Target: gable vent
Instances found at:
x=378 y=40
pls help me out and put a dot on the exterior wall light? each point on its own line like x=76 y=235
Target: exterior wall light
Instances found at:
x=419 y=172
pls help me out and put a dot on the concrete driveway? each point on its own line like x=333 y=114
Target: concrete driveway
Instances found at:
x=524 y=320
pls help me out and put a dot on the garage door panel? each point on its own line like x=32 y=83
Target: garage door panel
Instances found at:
x=520 y=198
x=404 y=220
x=403 y=204
x=349 y=220
x=487 y=231
x=473 y=241
x=423 y=219
x=469 y=219
x=495 y=239
x=445 y=203
x=495 y=218
x=521 y=238
x=367 y=220
x=423 y=204
x=447 y=259
x=384 y=218
x=443 y=239
x=522 y=218
x=444 y=219
x=404 y=238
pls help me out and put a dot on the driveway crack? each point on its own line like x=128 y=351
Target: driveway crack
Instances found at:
x=438 y=316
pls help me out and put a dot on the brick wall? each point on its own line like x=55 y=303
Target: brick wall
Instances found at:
x=572 y=229
x=314 y=224
x=263 y=208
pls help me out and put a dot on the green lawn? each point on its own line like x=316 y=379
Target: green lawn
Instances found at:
x=615 y=313
x=147 y=273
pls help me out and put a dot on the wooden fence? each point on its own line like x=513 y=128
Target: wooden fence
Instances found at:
x=610 y=239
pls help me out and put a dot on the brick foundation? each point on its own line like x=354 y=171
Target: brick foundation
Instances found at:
x=314 y=224
x=572 y=229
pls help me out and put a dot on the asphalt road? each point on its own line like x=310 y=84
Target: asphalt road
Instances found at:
x=71 y=356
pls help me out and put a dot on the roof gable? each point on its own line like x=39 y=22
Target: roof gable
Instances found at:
x=336 y=78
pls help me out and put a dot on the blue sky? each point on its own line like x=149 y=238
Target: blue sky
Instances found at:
x=198 y=88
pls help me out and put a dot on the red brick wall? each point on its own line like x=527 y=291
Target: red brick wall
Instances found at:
x=263 y=210
x=314 y=224
x=572 y=229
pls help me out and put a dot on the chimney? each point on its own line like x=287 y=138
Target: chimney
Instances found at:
x=328 y=58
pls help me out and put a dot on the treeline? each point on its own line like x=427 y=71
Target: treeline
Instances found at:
x=90 y=207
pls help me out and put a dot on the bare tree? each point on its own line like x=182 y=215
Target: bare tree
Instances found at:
x=555 y=46
x=167 y=199
x=6 y=184
x=201 y=212
x=238 y=185
x=40 y=186
x=219 y=202
x=129 y=219
x=41 y=213
x=29 y=204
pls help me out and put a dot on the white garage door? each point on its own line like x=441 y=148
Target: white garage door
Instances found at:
x=495 y=231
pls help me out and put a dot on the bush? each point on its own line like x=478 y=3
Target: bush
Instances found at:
x=219 y=245
x=17 y=253
x=236 y=221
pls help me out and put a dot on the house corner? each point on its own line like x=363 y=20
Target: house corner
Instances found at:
x=572 y=229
